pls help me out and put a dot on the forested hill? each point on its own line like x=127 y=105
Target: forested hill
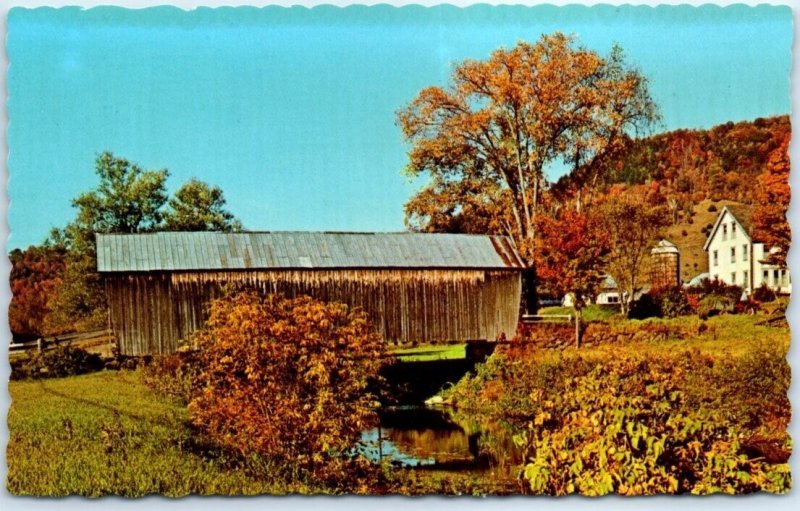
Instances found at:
x=719 y=163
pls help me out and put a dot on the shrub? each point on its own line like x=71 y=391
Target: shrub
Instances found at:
x=174 y=375
x=714 y=304
x=624 y=427
x=645 y=307
x=62 y=361
x=673 y=302
x=764 y=294
x=717 y=287
x=285 y=378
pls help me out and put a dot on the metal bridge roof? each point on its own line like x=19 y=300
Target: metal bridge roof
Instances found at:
x=191 y=251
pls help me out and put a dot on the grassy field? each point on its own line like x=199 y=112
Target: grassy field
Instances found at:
x=106 y=433
x=427 y=352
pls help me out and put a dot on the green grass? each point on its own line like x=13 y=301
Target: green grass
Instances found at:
x=430 y=352
x=106 y=433
x=590 y=312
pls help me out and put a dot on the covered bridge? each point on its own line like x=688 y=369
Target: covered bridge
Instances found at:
x=414 y=286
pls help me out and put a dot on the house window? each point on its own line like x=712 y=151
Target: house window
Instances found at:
x=745 y=275
x=733 y=278
x=776 y=277
x=716 y=258
x=733 y=230
x=724 y=231
x=733 y=254
x=613 y=299
x=765 y=280
x=744 y=252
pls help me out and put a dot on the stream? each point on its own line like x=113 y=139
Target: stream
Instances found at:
x=443 y=439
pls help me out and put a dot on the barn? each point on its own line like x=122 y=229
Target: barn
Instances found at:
x=414 y=286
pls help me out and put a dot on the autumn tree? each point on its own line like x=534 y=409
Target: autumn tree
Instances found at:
x=285 y=378
x=773 y=196
x=36 y=273
x=198 y=206
x=572 y=255
x=633 y=226
x=503 y=122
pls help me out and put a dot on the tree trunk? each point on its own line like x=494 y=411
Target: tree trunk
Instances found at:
x=577 y=327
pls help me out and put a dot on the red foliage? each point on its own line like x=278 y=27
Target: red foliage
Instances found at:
x=36 y=273
x=774 y=194
x=571 y=253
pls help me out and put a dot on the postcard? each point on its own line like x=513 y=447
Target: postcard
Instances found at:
x=378 y=250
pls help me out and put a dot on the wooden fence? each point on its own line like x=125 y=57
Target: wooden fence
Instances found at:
x=44 y=343
x=547 y=318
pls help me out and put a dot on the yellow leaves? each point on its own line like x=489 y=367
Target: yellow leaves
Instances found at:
x=542 y=418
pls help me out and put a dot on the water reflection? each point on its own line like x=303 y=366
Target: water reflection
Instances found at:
x=443 y=439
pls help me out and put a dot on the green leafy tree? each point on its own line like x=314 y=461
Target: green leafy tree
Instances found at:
x=198 y=206
x=128 y=199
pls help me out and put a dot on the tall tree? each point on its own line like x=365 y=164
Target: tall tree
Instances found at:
x=572 y=256
x=198 y=206
x=505 y=120
x=633 y=226
x=128 y=199
x=773 y=196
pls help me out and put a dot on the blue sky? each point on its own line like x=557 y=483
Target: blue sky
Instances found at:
x=292 y=111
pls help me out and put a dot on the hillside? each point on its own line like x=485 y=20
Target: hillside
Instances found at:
x=719 y=163
x=690 y=235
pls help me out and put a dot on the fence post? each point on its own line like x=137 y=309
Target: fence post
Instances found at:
x=40 y=344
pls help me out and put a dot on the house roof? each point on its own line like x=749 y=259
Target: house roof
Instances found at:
x=697 y=279
x=743 y=215
x=188 y=251
x=608 y=283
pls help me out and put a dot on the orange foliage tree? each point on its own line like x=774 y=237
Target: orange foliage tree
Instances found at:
x=572 y=255
x=504 y=121
x=773 y=195
x=36 y=273
x=285 y=378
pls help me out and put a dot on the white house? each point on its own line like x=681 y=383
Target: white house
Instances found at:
x=736 y=258
x=609 y=294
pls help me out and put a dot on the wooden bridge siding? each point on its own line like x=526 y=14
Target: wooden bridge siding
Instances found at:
x=151 y=313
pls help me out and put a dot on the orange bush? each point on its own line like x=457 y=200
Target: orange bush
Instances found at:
x=285 y=378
